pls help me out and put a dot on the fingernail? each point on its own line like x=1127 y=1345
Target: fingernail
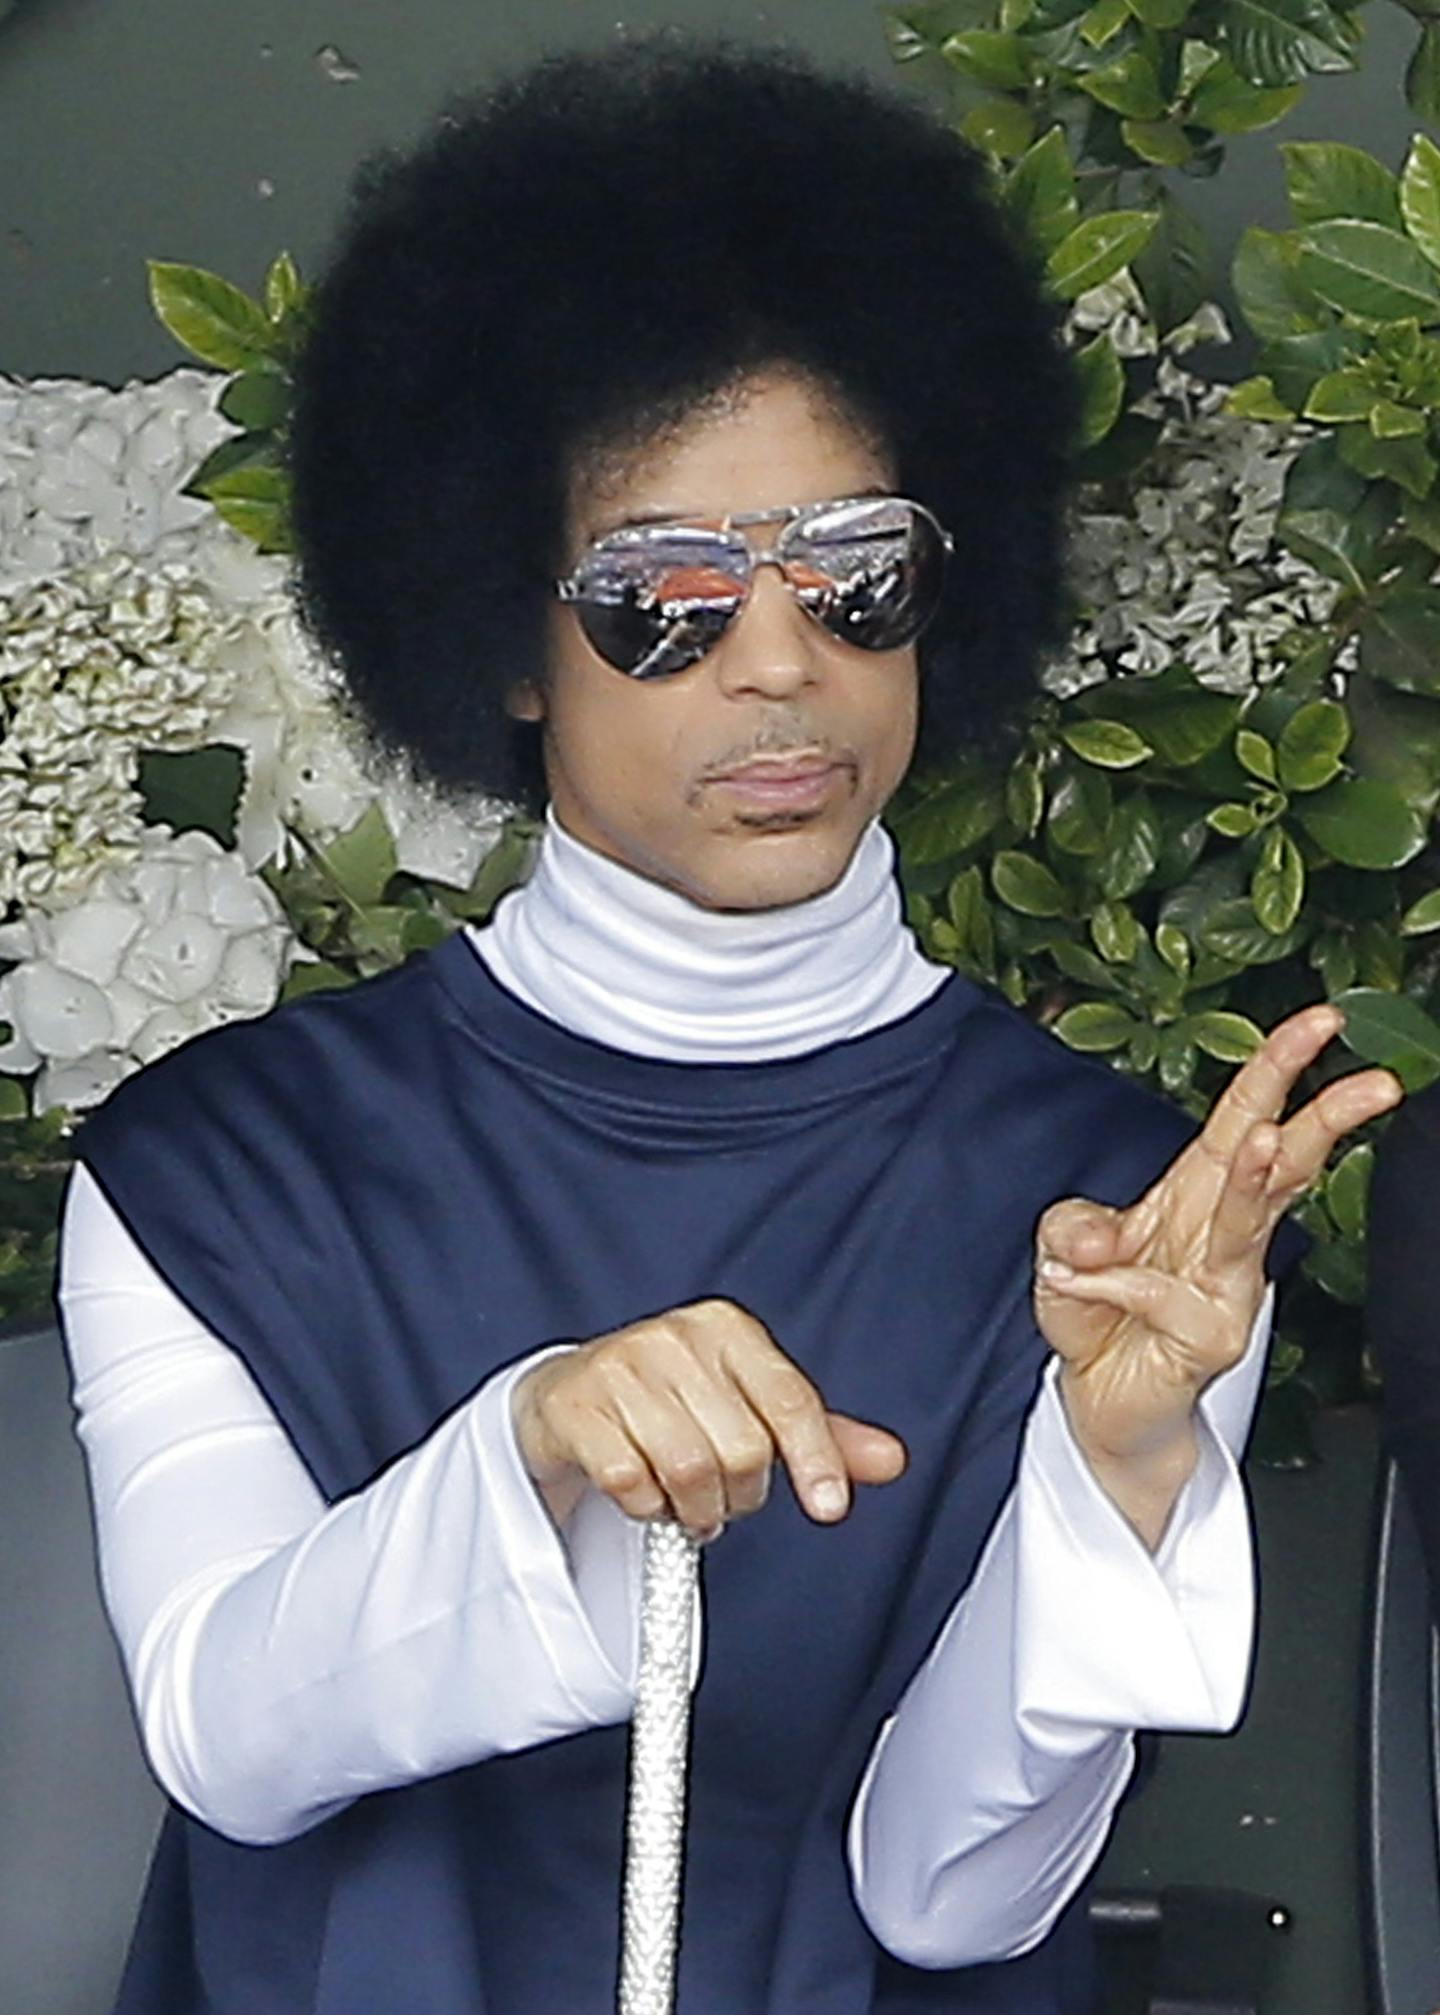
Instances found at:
x=1056 y=1269
x=829 y=1498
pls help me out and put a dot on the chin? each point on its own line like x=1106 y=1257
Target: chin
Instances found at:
x=773 y=864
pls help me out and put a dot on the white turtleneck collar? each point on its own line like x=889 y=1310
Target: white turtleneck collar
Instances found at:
x=614 y=956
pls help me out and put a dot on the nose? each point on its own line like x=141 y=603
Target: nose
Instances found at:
x=771 y=648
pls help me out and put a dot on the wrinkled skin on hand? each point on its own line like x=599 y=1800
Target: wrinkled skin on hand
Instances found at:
x=1147 y=1304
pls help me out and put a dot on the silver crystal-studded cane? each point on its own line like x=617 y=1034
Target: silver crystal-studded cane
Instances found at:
x=655 y=1795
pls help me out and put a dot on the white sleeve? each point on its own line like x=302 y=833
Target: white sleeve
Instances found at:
x=990 y=1790
x=286 y=1655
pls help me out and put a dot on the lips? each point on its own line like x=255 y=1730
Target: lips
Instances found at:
x=778 y=770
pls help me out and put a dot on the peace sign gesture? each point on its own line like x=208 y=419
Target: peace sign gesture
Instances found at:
x=1146 y=1305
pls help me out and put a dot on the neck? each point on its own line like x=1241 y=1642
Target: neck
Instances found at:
x=612 y=955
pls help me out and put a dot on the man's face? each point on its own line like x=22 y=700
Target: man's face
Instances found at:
x=645 y=770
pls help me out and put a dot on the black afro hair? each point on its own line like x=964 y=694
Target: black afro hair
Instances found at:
x=575 y=259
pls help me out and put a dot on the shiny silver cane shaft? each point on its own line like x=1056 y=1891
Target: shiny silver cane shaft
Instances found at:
x=655 y=1803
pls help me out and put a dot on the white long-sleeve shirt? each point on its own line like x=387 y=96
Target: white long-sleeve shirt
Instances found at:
x=287 y=1655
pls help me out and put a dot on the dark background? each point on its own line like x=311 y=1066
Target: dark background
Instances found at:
x=208 y=132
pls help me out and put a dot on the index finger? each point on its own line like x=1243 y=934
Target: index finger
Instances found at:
x=795 y=1414
x=1262 y=1084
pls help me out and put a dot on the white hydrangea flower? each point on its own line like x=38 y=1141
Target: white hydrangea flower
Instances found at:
x=178 y=940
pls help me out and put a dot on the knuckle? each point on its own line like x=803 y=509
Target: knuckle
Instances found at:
x=793 y=1399
x=618 y=1478
x=689 y=1469
x=749 y=1457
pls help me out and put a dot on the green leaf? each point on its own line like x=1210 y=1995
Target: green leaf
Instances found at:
x=1277 y=887
x=1116 y=932
x=1040 y=192
x=1407 y=463
x=1173 y=270
x=1129 y=86
x=1184 y=727
x=1326 y=179
x=1001 y=127
x=1102 y=22
x=1363 y=823
x=1333 y=519
x=257 y=400
x=13 y=1102
x=1235 y=821
x=499 y=870
x=1161 y=13
x=1178 y=1058
x=1347 y=1190
x=1255 y=399
x=1024 y=798
x=1311 y=744
x=1296 y=364
x=993 y=59
x=1392 y=1030
x=211 y=319
x=974 y=927
x=1174 y=947
x=1422 y=76
x=1111 y=745
x=1080 y=809
x=1340 y=1270
x=1027 y=885
x=1390 y=421
x=1164 y=143
x=1255 y=754
x=241 y=451
x=1363 y=269
x=1275 y=42
x=1226 y=1036
x=362 y=859
x=1094 y=1026
x=256 y=501
x=1132 y=848
x=1079 y=963
x=1420 y=196
x=1422 y=520
x=951 y=819
x=1097 y=250
x=1422 y=916
x=1266 y=277
x=192 y=790
x=285 y=291
x=1226 y=102
x=1102 y=389
x=314 y=977
x=1400 y=640
x=1233 y=930
x=1340 y=396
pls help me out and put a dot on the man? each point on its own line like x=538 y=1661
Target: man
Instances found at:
x=395 y=1314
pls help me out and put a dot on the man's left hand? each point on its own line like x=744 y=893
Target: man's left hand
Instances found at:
x=1146 y=1305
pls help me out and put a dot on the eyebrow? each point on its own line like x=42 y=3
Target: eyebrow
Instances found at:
x=663 y=517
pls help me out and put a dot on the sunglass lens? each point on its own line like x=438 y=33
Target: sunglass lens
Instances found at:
x=653 y=601
x=871 y=570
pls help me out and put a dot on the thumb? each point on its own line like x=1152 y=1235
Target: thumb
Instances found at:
x=872 y=1454
x=1078 y=1232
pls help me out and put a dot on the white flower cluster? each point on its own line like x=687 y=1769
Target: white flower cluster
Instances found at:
x=132 y=618
x=176 y=941
x=1191 y=568
x=96 y=665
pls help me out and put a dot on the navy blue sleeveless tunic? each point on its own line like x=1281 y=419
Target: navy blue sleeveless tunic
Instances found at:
x=378 y=1197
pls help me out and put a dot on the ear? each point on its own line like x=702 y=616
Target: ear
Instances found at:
x=524 y=702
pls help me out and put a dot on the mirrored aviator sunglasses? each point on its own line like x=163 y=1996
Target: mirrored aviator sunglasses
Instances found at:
x=653 y=599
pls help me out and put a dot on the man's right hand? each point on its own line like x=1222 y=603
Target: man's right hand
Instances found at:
x=683 y=1414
